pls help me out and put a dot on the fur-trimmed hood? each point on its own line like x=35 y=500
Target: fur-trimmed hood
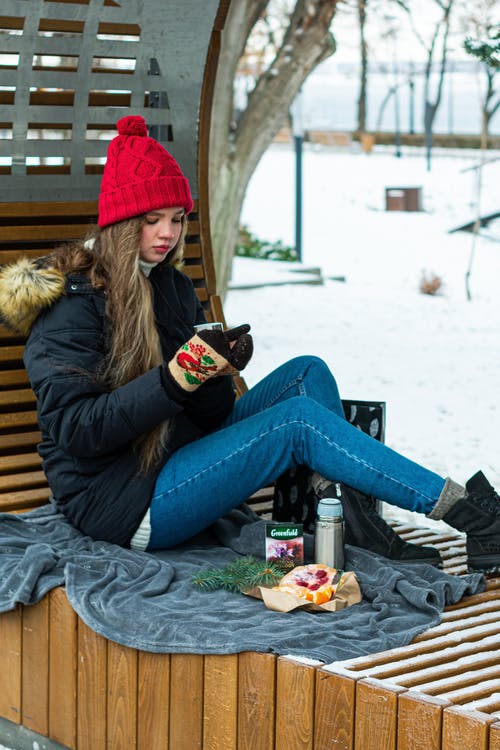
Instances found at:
x=26 y=288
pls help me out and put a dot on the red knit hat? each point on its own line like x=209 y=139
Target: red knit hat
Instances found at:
x=139 y=176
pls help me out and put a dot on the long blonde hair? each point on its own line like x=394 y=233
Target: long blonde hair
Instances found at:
x=111 y=262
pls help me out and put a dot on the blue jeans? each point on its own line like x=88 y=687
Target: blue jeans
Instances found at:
x=293 y=416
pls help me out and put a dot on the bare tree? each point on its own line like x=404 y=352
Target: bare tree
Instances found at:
x=372 y=16
x=363 y=73
x=485 y=47
x=479 y=22
x=435 y=46
x=238 y=143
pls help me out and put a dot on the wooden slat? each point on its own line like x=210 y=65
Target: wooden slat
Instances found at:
x=55 y=24
x=61 y=98
x=23 y=500
x=17 y=397
x=119 y=29
x=334 y=712
x=494 y=736
x=153 y=701
x=376 y=716
x=122 y=697
x=35 y=667
x=49 y=169
x=21 y=461
x=10 y=256
x=48 y=209
x=420 y=721
x=194 y=271
x=485 y=596
x=465 y=730
x=11 y=354
x=27 y=479
x=295 y=688
x=256 y=701
x=186 y=701
x=92 y=689
x=11 y=22
x=192 y=250
x=10 y=665
x=202 y=294
x=220 y=702
x=39 y=232
x=18 y=419
x=62 y=669
x=13 y=377
x=193 y=227
x=109 y=99
x=19 y=440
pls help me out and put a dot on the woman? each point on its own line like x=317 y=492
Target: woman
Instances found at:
x=142 y=442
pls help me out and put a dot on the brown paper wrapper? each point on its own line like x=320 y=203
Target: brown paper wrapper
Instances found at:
x=280 y=601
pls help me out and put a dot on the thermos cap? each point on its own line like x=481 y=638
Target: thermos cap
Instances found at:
x=330 y=507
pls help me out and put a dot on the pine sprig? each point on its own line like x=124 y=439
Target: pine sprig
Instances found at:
x=239 y=576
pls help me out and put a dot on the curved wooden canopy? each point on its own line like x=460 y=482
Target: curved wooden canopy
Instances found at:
x=70 y=69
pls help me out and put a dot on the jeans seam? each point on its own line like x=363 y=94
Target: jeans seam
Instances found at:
x=278 y=427
x=298 y=382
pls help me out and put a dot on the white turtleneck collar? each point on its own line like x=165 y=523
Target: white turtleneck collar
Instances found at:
x=146 y=268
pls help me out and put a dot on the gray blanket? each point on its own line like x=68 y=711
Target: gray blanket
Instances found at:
x=147 y=601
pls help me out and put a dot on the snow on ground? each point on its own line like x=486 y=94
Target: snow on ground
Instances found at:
x=435 y=360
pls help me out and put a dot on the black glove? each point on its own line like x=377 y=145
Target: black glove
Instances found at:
x=238 y=355
x=209 y=353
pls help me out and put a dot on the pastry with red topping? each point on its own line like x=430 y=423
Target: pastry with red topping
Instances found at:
x=316 y=582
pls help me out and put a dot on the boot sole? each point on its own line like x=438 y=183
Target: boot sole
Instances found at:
x=486 y=565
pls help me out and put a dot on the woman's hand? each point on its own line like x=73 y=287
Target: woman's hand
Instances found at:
x=210 y=353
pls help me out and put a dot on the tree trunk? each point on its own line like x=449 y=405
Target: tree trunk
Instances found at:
x=431 y=107
x=479 y=190
x=363 y=81
x=236 y=147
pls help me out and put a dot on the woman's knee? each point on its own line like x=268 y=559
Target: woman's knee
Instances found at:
x=309 y=362
x=317 y=368
x=299 y=410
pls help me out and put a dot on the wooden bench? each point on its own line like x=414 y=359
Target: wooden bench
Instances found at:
x=58 y=678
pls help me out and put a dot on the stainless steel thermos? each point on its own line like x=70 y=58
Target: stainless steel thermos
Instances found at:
x=329 y=533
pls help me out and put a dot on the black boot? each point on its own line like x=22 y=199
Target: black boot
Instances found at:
x=478 y=514
x=365 y=528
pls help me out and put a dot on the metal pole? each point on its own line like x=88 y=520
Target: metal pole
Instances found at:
x=397 y=124
x=450 y=98
x=298 y=139
x=411 y=84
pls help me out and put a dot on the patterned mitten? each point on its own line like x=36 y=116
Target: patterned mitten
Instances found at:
x=209 y=353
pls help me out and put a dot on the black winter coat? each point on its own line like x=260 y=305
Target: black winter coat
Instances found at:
x=87 y=432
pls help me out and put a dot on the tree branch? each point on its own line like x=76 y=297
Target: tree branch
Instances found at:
x=241 y=19
x=306 y=43
x=444 y=53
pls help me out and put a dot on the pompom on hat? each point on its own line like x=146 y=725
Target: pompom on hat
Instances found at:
x=139 y=176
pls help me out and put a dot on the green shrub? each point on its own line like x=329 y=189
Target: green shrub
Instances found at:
x=250 y=246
